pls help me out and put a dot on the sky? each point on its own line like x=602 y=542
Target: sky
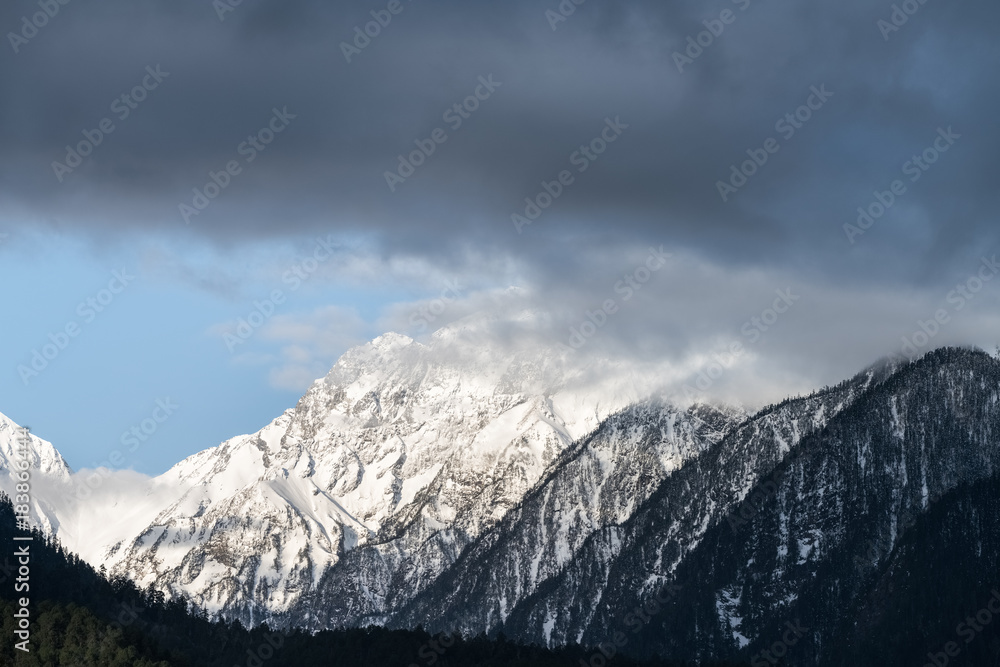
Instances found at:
x=766 y=197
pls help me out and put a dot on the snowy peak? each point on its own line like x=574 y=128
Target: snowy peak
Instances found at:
x=826 y=484
x=42 y=456
x=386 y=349
x=460 y=484
x=49 y=472
x=399 y=457
x=390 y=341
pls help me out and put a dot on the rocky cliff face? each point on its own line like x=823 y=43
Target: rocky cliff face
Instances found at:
x=346 y=506
x=806 y=516
x=677 y=509
x=596 y=486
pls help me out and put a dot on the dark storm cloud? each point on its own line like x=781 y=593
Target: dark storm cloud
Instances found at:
x=655 y=184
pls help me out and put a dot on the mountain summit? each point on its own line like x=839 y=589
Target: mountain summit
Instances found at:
x=457 y=486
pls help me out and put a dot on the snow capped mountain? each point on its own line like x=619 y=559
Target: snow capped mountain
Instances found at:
x=735 y=457
x=597 y=484
x=824 y=526
x=461 y=486
x=381 y=475
x=42 y=456
x=809 y=512
x=47 y=468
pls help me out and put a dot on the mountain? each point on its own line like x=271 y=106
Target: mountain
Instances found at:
x=46 y=466
x=453 y=486
x=596 y=485
x=79 y=617
x=346 y=506
x=560 y=606
x=42 y=457
x=822 y=542
x=812 y=531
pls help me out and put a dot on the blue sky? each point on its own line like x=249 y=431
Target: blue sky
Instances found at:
x=157 y=339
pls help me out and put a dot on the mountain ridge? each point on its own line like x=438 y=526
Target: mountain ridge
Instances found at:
x=495 y=518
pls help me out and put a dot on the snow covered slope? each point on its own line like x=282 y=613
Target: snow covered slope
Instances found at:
x=459 y=486
x=809 y=511
x=376 y=481
x=489 y=588
x=48 y=471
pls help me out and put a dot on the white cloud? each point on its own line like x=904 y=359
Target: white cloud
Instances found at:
x=310 y=343
x=677 y=320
